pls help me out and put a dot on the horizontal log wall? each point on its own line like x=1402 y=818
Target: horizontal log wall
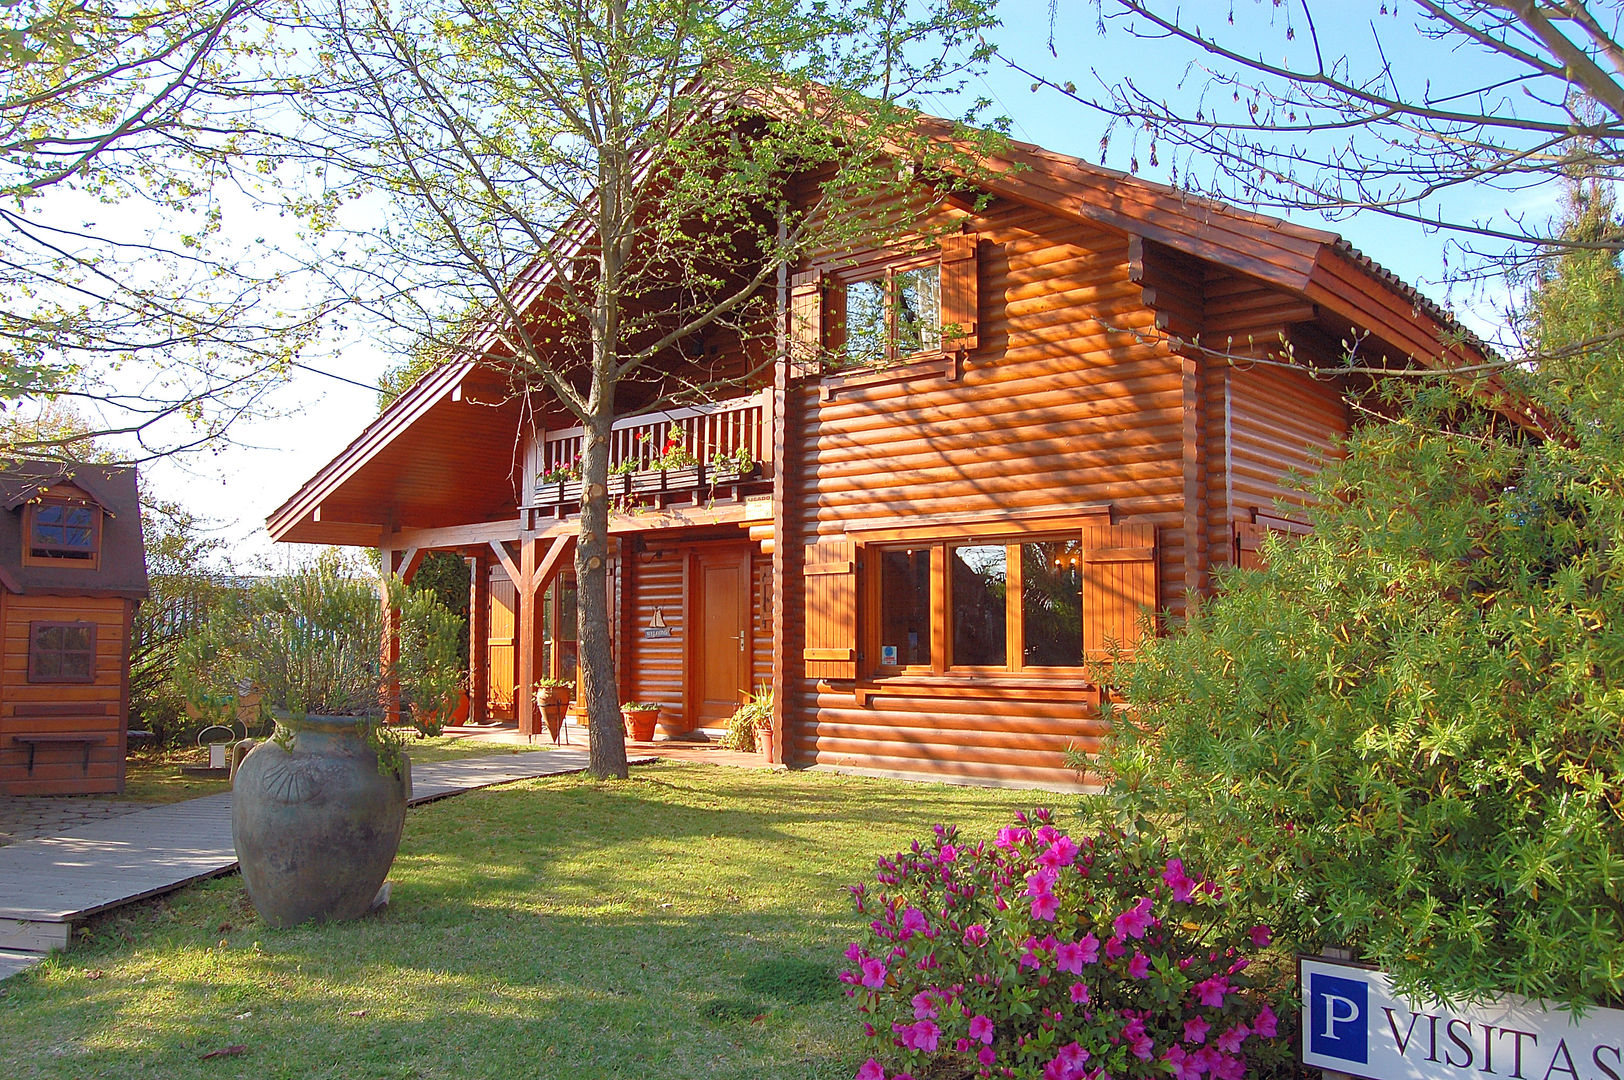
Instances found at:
x=96 y=709
x=1071 y=398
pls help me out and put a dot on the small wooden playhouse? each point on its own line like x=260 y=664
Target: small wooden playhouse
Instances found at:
x=73 y=570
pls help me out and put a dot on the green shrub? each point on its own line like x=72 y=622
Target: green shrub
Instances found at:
x=748 y=721
x=1406 y=729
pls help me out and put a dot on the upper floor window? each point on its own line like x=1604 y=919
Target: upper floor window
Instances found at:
x=63 y=532
x=891 y=317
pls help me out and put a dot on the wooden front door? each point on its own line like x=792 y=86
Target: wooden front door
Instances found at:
x=719 y=663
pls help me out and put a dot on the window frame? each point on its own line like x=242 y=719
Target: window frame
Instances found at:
x=943 y=663
x=35 y=653
x=836 y=310
x=92 y=560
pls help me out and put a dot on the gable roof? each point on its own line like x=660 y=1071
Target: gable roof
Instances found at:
x=121 y=569
x=1315 y=264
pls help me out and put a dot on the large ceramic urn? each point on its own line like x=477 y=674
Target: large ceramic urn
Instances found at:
x=316 y=823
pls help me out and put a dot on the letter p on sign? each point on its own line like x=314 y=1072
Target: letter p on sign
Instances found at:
x=1339 y=1017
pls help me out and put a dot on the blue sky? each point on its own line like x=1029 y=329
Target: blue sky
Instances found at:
x=241 y=484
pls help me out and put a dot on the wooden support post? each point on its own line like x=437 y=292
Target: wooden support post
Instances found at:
x=479 y=638
x=524 y=700
x=390 y=690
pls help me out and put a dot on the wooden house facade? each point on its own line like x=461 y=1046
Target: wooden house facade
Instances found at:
x=980 y=459
x=72 y=570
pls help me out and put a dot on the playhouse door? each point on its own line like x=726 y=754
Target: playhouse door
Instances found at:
x=721 y=660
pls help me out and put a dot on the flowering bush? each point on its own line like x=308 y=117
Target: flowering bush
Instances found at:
x=566 y=470
x=1047 y=957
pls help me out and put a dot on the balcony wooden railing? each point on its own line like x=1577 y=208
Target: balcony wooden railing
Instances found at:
x=724 y=427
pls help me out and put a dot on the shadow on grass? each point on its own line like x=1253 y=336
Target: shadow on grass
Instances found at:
x=689 y=924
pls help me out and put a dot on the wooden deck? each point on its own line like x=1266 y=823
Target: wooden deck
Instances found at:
x=48 y=885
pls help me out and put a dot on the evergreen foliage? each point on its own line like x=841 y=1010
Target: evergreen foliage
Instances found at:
x=1407 y=731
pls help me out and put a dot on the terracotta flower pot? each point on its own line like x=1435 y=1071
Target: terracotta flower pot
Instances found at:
x=640 y=723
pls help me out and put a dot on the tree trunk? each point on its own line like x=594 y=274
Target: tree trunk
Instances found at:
x=599 y=680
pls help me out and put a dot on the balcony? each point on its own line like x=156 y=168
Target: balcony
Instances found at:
x=729 y=441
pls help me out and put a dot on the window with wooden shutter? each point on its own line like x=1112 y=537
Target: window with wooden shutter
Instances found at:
x=1250 y=537
x=960 y=296
x=831 y=610
x=805 y=336
x=1119 y=586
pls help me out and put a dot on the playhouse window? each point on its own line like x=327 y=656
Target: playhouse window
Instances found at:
x=61 y=652
x=63 y=532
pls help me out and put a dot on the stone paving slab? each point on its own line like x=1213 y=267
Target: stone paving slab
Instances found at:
x=100 y=865
x=25 y=817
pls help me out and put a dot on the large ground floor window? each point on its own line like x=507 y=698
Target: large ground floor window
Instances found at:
x=982 y=605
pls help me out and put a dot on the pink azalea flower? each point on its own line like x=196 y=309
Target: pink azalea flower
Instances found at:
x=1091 y=948
x=1182 y=884
x=1183 y=1067
x=871 y=1070
x=1062 y=852
x=924 y=1005
x=1069 y=958
x=913 y=922
x=1261 y=936
x=1069 y=1064
x=975 y=935
x=1195 y=1031
x=961 y=1046
x=854 y=953
x=922 y=1035
x=1045 y=907
x=1211 y=991
x=1029 y=958
x=1207 y=1058
x=981 y=1028
x=1139 y=966
x=1041 y=882
x=1264 y=1025
x=874 y=973
x=1115 y=948
x=1135 y=921
x=1079 y=993
x=1230 y=1041
x=1230 y=1068
x=948 y=853
x=987 y=1056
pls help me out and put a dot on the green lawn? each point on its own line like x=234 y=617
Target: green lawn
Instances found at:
x=685 y=923
x=154 y=776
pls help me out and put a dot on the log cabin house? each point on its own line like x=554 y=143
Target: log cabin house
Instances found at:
x=940 y=531
x=73 y=567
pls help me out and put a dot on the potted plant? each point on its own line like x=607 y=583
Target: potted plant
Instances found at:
x=640 y=718
x=317 y=811
x=552 y=698
x=732 y=466
x=750 y=728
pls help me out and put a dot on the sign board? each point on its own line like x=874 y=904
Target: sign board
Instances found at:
x=652 y=633
x=1353 y=1022
x=888 y=655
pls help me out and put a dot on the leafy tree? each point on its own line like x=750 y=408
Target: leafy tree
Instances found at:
x=127 y=135
x=1326 y=107
x=585 y=193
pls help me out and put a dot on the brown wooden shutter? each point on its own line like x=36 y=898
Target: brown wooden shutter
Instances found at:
x=1249 y=537
x=805 y=323
x=831 y=610
x=960 y=297
x=1119 y=586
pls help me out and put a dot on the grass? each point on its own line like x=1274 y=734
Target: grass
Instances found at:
x=686 y=923
x=154 y=776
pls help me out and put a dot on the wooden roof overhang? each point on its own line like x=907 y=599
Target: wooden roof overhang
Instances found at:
x=442 y=454
x=426 y=463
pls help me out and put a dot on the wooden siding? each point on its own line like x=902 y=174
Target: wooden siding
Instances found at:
x=1281 y=421
x=94 y=709
x=1073 y=397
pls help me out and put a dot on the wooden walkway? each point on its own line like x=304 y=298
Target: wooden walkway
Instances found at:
x=48 y=885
